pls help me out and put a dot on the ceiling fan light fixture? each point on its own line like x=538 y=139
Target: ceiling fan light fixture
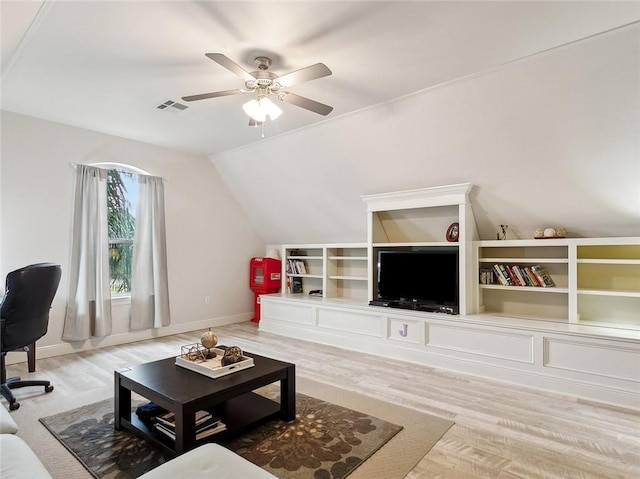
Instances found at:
x=261 y=108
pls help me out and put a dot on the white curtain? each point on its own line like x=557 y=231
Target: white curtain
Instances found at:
x=149 y=283
x=89 y=305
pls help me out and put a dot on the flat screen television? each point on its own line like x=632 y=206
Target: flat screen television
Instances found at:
x=424 y=279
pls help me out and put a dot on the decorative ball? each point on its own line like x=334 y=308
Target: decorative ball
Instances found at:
x=561 y=232
x=209 y=339
x=538 y=233
x=232 y=355
x=549 y=233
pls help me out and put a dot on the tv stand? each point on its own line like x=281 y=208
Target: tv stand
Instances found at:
x=415 y=306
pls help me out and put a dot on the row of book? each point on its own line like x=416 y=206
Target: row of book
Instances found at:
x=296 y=266
x=206 y=424
x=516 y=275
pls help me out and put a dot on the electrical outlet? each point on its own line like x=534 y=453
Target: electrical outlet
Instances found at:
x=207 y=299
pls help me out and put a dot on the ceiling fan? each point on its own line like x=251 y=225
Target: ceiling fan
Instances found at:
x=265 y=84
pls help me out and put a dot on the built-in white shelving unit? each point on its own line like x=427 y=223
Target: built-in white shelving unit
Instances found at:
x=597 y=281
x=338 y=270
x=580 y=337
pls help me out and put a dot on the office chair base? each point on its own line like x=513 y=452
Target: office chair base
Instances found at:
x=15 y=382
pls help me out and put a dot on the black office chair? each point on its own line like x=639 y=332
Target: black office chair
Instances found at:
x=24 y=318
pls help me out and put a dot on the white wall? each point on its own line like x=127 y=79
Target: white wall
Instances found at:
x=209 y=238
x=552 y=140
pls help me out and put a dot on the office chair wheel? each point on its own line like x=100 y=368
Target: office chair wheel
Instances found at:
x=14 y=405
x=48 y=388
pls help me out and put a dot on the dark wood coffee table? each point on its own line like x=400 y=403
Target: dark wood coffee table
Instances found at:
x=184 y=392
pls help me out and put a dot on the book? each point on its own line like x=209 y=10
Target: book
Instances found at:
x=501 y=279
x=525 y=277
x=532 y=277
x=543 y=276
x=203 y=418
x=211 y=431
x=301 y=267
x=518 y=276
x=296 y=284
x=507 y=276
x=521 y=275
x=208 y=431
x=206 y=424
x=514 y=280
x=486 y=276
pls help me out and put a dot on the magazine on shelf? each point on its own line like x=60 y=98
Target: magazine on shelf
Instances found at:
x=200 y=434
x=203 y=419
x=296 y=284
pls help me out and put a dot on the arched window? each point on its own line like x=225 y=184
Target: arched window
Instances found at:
x=118 y=247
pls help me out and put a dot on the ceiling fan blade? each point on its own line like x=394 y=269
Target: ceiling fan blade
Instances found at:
x=306 y=103
x=312 y=72
x=230 y=65
x=204 y=96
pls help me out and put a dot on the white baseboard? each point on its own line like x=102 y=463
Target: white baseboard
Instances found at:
x=128 y=337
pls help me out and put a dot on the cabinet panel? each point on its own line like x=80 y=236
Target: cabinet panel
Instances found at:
x=350 y=322
x=404 y=330
x=299 y=314
x=612 y=362
x=494 y=344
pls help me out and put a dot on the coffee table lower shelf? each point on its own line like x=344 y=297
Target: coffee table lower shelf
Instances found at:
x=239 y=414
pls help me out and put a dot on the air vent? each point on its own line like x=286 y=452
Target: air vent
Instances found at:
x=169 y=104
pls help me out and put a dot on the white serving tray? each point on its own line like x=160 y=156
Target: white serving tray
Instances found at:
x=212 y=367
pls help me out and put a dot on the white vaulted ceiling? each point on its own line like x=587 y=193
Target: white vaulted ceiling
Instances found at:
x=106 y=66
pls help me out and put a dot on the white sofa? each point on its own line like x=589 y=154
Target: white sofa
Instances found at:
x=17 y=460
x=208 y=460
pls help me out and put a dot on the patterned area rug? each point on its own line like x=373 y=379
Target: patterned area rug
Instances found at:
x=326 y=441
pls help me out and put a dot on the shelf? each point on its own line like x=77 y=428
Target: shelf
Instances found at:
x=349 y=258
x=602 y=292
x=414 y=244
x=349 y=278
x=540 y=289
x=340 y=270
x=525 y=260
x=609 y=261
x=239 y=414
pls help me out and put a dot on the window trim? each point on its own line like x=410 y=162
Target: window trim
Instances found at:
x=121 y=166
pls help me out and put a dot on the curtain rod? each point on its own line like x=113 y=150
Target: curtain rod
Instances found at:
x=120 y=166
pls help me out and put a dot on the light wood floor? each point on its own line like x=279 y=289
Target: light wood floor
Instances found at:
x=501 y=431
